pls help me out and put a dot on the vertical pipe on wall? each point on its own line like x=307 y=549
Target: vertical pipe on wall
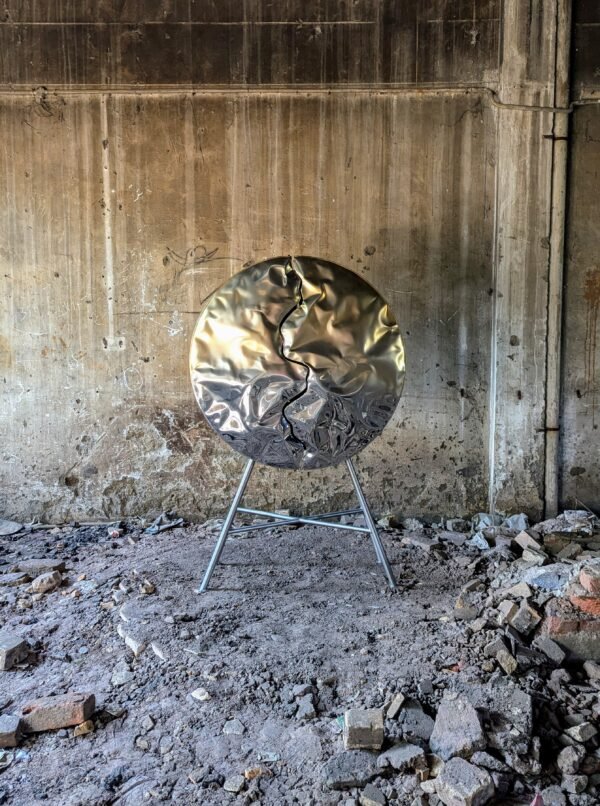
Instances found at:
x=560 y=152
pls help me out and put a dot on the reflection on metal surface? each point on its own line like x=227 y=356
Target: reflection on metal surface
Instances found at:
x=297 y=362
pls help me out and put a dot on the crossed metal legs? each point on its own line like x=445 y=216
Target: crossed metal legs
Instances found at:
x=287 y=520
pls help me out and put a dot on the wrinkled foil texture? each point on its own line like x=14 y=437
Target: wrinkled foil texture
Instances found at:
x=297 y=362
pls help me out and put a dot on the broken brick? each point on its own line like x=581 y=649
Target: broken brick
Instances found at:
x=58 y=711
x=589 y=578
x=573 y=629
x=525 y=541
x=13 y=650
x=363 y=729
x=44 y=583
x=463 y=784
x=524 y=619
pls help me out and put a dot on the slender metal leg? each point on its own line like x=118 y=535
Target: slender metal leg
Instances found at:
x=216 y=555
x=378 y=545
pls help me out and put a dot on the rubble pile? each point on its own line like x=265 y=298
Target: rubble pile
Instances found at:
x=301 y=678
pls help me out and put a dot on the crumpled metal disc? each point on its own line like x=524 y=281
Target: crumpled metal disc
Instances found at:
x=297 y=362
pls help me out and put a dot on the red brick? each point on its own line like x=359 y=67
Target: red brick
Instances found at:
x=589 y=604
x=589 y=578
x=574 y=629
x=60 y=711
x=557 y=624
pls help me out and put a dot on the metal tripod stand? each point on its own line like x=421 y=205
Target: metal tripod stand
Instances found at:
x=283 y=520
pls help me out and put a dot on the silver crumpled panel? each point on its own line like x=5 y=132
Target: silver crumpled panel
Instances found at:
x=297 y=362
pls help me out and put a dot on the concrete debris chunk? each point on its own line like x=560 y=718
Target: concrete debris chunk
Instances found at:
x=553 y=578
x=525 y=618
x=479 y=541
x=83 y=729
x=457 y=730
x=35 y=567
x=200 y=694
x=13 y=650
x=9 y=527
x=403 y=756
x=10 y=730
x=525 y=541
x=14 y=579
x=121 y=675
x=575 y=784
x=301 y=690
x=47 y=582
x=517 y=523
x=456 y=538
x=363 y=729
x=491 y=649
x=483 y=520
x=570 y=552
x=135 y=644
x=234 y=784
x=550 y=648
x=159 y=650
x=234 y=727
x=553 y=796
x=592 y=669
x=507 y=711
x=569 y=759
x=413 y=525
x=507 y=610
x=371 y=796
x=582 y=732
x=468 y=606
x=507 y=662
x=534 y=557
x=478 y=624
x=147 y=587
x=483 y=759
x=349 y=769
x=572 y=521
x=395 y=706
x=416 y=724
x=463 y=784
x=519 y=591
x=421 y=541
x=58 y=711
x=306 y=707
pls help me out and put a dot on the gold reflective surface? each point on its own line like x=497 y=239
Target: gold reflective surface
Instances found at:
x=297 y=362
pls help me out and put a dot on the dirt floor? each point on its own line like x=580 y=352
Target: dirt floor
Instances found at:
x=289 y=607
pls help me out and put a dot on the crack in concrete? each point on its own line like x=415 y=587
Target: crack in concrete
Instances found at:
x=293 y=274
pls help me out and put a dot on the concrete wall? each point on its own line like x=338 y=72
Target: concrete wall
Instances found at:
x=580 y=460
x=150 y=149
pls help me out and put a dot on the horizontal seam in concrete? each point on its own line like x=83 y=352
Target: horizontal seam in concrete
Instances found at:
x=263 y=89
x=293 y=90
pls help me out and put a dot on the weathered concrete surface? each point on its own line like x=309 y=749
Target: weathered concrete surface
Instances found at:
x=416 y=178
x=228 y=42
x=106 y=275
x=580 y=426
x=581 y=380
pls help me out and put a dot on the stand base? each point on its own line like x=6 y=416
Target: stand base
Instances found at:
x=288 y=520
